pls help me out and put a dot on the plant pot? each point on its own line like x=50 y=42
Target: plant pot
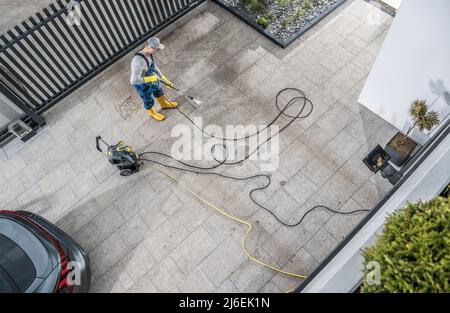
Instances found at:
x=377 y=159
x=400 y=148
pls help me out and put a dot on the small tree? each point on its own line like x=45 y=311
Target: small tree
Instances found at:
x=414 y=250
x=421 y=117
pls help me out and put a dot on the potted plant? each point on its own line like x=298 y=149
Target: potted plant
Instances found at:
x=413 y=252
x=401 y=146
x=377 y=159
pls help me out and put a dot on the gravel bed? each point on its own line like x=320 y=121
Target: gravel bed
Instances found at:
x=283 y=20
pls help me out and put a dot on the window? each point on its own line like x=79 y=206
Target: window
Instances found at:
x=16 y=269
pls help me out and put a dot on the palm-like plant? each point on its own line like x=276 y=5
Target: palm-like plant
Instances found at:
x=422 y=117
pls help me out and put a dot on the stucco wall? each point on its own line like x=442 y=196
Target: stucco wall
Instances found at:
x=414 y=63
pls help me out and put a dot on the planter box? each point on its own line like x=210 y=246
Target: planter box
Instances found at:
x=400 y=152
x=284 y=43
x=377 y=159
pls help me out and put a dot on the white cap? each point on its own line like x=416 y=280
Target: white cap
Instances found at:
x=155 y=43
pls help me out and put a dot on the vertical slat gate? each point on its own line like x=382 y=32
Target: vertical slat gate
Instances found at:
x=44 y=58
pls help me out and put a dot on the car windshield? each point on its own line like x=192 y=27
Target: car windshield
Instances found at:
x=16 y=267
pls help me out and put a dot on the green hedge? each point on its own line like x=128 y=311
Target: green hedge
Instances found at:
x=414 y=250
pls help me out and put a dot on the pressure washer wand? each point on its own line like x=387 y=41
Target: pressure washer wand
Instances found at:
x=198 y=102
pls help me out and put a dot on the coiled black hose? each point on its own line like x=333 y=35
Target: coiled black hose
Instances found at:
x=207 y=170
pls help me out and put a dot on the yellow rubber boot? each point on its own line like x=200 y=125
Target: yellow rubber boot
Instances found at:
x=166 y=104
x=157 y=116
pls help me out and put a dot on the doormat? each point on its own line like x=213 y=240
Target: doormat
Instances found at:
x=128 y=107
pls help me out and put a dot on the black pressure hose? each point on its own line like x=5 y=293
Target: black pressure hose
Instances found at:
x=204 y=170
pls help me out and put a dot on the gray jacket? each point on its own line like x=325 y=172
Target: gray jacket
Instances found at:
x=139 y=69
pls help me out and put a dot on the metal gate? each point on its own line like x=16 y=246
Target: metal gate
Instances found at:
x=54 y=52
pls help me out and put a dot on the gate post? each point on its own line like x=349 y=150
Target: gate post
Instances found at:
x=21 y=105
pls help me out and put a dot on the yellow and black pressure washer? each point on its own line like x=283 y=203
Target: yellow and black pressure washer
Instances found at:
x=121 y=155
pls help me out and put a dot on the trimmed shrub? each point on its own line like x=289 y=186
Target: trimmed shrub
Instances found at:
x=414 y=250
x=262 y=21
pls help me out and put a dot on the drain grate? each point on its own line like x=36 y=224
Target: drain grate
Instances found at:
x=128 y=107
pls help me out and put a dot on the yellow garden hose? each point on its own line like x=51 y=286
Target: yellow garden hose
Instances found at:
x=303 y=113
x=244 y=239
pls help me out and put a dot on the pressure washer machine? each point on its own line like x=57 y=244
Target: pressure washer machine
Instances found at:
x=121 y=155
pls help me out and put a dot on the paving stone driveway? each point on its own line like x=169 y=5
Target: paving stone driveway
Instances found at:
x=146 y=234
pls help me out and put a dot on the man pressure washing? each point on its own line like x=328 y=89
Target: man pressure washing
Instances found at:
x=146 y=78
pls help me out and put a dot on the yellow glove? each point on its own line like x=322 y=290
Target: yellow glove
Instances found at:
x=168 y=82
x=151 y=79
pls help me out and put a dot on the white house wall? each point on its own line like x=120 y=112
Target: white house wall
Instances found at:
x=414 y=63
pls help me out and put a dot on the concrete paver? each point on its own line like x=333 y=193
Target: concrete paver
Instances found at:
x=144 y=233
